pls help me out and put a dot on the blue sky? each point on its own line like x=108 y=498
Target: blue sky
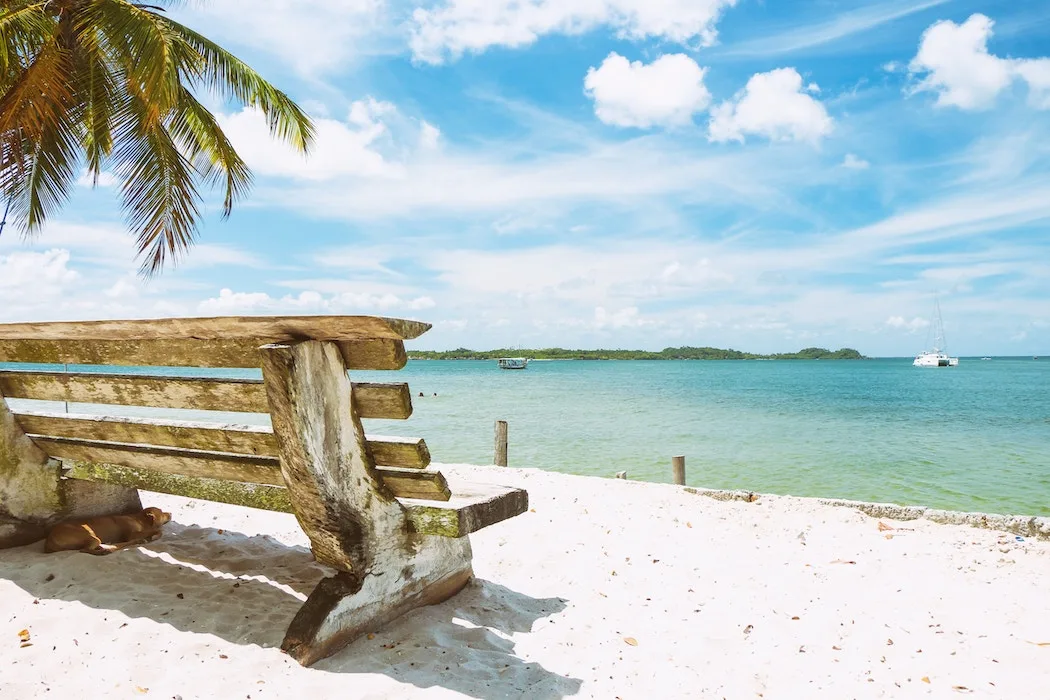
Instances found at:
x=757 y=174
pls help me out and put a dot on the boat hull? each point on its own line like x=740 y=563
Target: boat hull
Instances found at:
x=935 y=359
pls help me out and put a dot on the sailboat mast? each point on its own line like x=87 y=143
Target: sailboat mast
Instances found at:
x=939 y=342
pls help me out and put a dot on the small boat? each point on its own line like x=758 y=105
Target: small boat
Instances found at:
x=986 y=358
x=936 y=357
x=513 y=362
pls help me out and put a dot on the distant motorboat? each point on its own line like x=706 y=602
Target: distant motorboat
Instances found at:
x=986 y=358
x=513 y=362
x=936 y=357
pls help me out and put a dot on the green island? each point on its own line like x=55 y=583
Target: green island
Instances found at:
x=683 y=353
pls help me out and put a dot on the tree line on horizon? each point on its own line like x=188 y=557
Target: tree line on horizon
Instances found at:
x=682 y=353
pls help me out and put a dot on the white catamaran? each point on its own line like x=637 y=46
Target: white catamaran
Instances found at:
x=937 y=355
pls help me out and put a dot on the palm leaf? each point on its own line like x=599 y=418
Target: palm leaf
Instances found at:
x=160 y=196
x=142 y=44
x=24 y=27
x=52 y=171
x=38 y=136
x=196 y=129
x=232 y=78
x=111 y=81
x=97 y=86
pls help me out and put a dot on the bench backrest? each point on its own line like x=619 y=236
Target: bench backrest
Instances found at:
x=224 y=462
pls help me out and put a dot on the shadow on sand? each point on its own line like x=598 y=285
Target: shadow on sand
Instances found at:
x=246 y=589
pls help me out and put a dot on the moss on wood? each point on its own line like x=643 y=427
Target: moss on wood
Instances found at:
x=236 y=493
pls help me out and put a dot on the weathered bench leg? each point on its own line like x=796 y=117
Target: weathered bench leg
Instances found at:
x=353 y=521
x=34 y=496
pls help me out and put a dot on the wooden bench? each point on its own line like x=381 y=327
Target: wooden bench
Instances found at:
x=395 y=531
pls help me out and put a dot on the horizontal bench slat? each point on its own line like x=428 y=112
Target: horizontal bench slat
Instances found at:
x=262 y=496
x=415 y=483
x=382 y=400
x=247 y=439
x=411 y=453
x=264 y=329
x=197 y=393
x=200 y=393
x=256 y=469
x=382 y=354
x=471 y=508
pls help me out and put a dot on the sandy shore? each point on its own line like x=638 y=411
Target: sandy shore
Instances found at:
x=607 y=589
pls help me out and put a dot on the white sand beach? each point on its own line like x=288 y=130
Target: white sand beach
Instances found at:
x=605 y=589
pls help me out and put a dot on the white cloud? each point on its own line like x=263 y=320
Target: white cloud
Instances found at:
x=912 y=326
x=1036 y=72
x=125 y=287
x=230 y=302
x=323 y=38
x=458 y=26
x=960 y=69
x=962 y=72
x=627 y=317
x=855 y=162
x=369 y=112
x=43 y=274
x=429 y=135
x=340 y=148
x=772 y=105
x=666 y=92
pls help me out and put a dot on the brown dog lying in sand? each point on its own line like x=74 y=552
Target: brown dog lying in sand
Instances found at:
x=107 y=533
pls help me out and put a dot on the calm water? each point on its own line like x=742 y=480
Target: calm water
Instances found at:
x=972 y=437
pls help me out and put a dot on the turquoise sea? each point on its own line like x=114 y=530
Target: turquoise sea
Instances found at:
x=972 y=437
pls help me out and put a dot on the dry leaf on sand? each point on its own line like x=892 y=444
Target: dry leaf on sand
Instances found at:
x=631 y=640
x=883 y=527
x=925 y=679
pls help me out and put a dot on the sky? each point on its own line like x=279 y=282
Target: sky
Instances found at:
x=764 y=175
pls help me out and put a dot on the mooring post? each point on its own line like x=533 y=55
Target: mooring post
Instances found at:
x=501 y=444
x=678 y=468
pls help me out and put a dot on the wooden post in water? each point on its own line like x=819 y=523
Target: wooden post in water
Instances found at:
x=678 y=467
x=501 y=444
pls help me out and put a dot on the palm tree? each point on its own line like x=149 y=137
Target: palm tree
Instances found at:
x=110 y=84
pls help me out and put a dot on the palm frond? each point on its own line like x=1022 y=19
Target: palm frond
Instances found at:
x=142 y=44
x=24 y=27
x=34 y=132
x=196 y=129
x=21 y=107
x=233 y=78
x=111 y=82
x=97 y=86
x=158 y=188
x=52 y=171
